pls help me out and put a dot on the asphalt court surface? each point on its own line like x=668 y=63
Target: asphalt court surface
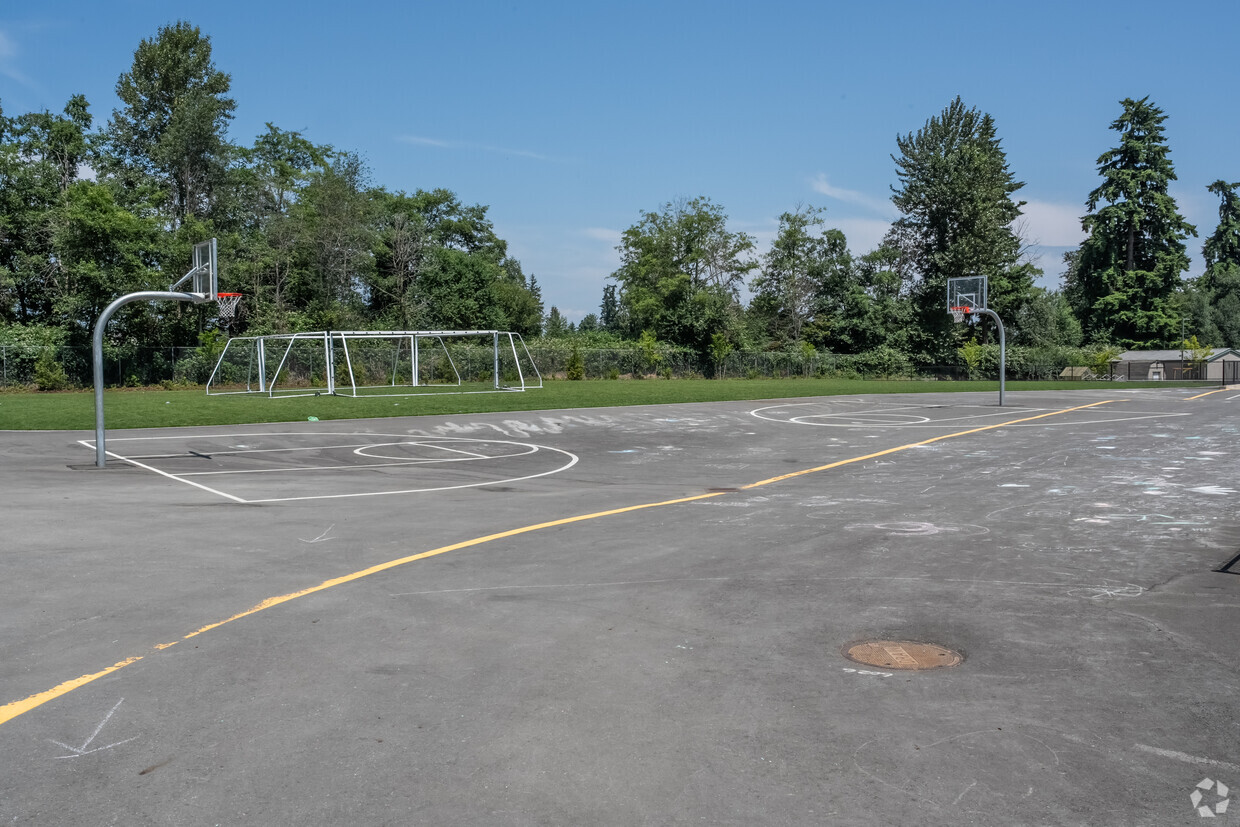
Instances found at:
x=634 y=615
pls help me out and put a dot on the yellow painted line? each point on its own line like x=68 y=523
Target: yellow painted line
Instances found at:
x=11 y=710
x=899 y=448
x=1207 y=393
x=477 y=541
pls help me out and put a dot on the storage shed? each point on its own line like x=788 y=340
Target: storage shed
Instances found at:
x=1222 y=365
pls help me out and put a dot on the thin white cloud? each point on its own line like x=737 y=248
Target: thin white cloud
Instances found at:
x=1053 y=225
x=8 y=56
x=420 y=140
x=863 y=234
x=612 y=237
x=882 y=206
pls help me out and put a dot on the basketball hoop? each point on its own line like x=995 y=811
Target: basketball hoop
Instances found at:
x=228 y=303
x=958 y=313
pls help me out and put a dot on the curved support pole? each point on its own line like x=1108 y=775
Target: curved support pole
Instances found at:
x=101 y=454
x=1002 y=347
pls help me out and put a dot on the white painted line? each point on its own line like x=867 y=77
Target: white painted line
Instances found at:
x=934 y=423
x=343 y=467
x=254 y=451
x=453 y=450
x=352 y=466
x=572 y=462
x=362 y=452
x=1186 y=758
x=529 y=448
x=91 y=445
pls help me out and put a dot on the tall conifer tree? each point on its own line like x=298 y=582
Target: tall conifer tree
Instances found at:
x=1130 y=264
x=958 y=216
x=1220 y=285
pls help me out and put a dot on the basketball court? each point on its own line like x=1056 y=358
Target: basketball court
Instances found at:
x=916 y=608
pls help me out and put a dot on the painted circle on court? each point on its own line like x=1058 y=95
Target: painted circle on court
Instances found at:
x=954 y=416
x=861 y=419
x=445 y=449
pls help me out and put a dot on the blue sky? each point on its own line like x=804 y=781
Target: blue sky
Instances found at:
x=569 y=120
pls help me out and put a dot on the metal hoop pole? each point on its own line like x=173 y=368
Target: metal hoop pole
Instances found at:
x=101 y=452
x=1002 y=347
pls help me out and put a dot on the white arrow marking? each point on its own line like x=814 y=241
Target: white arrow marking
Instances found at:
x=321 y=537
x=78 y=752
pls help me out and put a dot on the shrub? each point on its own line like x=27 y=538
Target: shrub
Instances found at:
x=49 y=375
x=576 y=368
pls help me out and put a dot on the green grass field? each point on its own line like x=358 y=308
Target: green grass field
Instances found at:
x=151 y=408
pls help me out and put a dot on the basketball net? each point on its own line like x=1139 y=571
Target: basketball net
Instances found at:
x=958 y=313
x=228 y=303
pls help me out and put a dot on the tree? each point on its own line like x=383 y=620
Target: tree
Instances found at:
x=681 y=272
x=1218 y=304
x=576 y=367
x=399 y=260
x=804 y=265
x=866 y=304
x=1195 y=354
x=720 y=348
x=40 y=154
x=1045 y=320
x=957 y=219
x=609 y=310
x=336 y=237
x=173 y=121
x=1130 y=263
x=556 y=326
x=519 y=301
x=267 y=261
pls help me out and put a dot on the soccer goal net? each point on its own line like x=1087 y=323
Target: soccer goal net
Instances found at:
x=375 y=363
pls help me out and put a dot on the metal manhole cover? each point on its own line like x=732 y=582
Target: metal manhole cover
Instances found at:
x=902 y=654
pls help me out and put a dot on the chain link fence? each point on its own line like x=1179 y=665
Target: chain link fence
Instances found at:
x=52 y=367
x=55 y=367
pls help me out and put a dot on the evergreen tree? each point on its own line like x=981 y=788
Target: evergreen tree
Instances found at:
x=1130 y=264
x=1217 y=316
x=957 y=219
x=609 y=310
x=556 y=326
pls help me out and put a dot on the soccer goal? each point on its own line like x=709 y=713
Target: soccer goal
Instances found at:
x=375 y=363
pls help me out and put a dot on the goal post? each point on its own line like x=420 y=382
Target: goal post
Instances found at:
x=375 y=363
